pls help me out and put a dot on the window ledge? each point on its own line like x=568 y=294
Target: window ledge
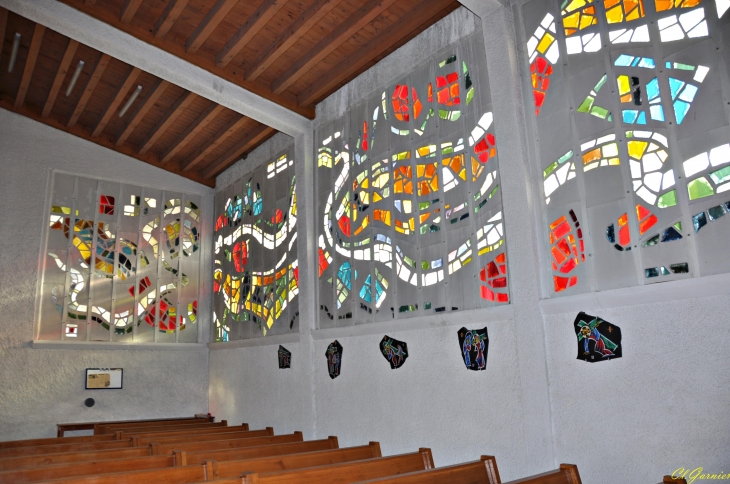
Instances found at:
x=94 y=345
x=634 y=296
x=459 y=318
x=253 y=342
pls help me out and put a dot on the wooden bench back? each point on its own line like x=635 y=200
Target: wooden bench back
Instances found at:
x=196 y=437
x=567 y=474
x=75 y=469
x=61 y=448
x=166 y=449
x=54 y=440
x=298 y=461
x=125 y=434
x=147 y=423
x=68 y=457
x=170 y=475
x=483 y=471
x=109 y=429
x=673 y=480
x=192 y=458
x=348 y=472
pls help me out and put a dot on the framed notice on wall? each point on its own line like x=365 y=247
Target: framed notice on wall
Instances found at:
x=104 y=378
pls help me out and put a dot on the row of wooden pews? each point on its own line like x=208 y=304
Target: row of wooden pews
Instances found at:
x=176 y=451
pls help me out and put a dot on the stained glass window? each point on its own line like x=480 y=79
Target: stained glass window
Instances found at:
x=256 y=270
x=121 y=263
x=631 y=139
x=428 y=188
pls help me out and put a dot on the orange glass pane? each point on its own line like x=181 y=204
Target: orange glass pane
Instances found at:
x=623 y=220
x=556 y=223
x=592 y=155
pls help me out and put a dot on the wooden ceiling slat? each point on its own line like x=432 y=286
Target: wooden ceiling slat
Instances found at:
x=90 y=2
x=255 y=22
x=195 y=127
x=420 y=16
x=129 y=9
x=142 y=110
x=209 y=24
x=60 y=76
x=223 y=134
x=89 y=89
x=169 y=15
x=241 y=147
x=180 y=105
x=35 y=47
x=363 y=16
x=3 y=24
x=116 y=101
x=308 y=19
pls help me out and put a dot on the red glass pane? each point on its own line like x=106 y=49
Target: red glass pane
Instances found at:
x=647 y=224
x=344 y=223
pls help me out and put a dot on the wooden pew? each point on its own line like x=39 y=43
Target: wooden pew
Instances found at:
x=566 y=474
x=483 y=471
x=111 y=465
x=167 y=449
x=123 y=434
x=110 y=426
x=108 y=429
x=12 y=444
x=62 y=448
x=67 y=427
x=69 y=457
x=347 y=472
x=195 y=437
x=211 y=469
x=673 y=480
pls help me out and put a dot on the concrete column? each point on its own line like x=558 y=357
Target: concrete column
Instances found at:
x=521 y=213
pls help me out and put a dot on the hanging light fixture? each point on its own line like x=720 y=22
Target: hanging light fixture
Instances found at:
x=14 y=52
x=129 y=102
x=74 y=78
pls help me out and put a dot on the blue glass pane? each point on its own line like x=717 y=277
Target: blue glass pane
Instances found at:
x=652 y=89
x=642 y=118
x=624 y=60
x=675 y=85
x=680 y=110
x=657 y=113
x=629 y=116
x=689 y=93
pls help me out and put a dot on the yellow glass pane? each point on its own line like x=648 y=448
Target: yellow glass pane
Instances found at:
x=571 y=21
x=411 y=224
x=662 y=5
x=435 y=183
x=592 y=155
x=474 y=166
x=365 y=183
x=636 y=149
x=420 y=169
x=545 y=43
x=614 y=162
x=635 y=9
x=610 y=3
x=615 y=15
x=576 y=4
x=462 y=174
x=376 y=197
x=587 y=21
x=623 y=85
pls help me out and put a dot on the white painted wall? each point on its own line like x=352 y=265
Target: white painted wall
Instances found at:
x=42 y=387
x=662 y=406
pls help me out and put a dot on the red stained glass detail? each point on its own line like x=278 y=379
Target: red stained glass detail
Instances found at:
x=143 y=285
x=568 y=266
x=624 y=237
x=558 y=256
x=365 y=136
x=106 y=205
x=323 y=264
x=494 y=275
x=503 y=298
x=486 y=293
x=296 y=275
x=573 y=281
x=440 y=81
x=221 y=222
x=560 y=283
x=567 y=250
x=647 y=224
x=417 y=107
x=240 y=255
x=483 y=275
x=344 y=223
x=278 y=217
x=540 y=71
x=642 y=212
x=430 y=92
x=561 y=230
x=499 y=282
x=500 y=259
x=492 y=270
x=400 y=102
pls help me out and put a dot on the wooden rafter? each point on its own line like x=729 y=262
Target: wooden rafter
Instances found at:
x=3 y=24
x=177 y=109
x=169 y=16
x=129 y=9
x=60 y=76
x=419 y=18
x=195 y=127
x=116 y=101
x=255 y=22
x=258 y=135
x=359 y=19
x=220 y=136
x=308 y=19
x=155 y=93
x=209 y=24
x=35 y=47
x=89 y=89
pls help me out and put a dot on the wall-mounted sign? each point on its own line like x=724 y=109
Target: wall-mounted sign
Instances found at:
x=104 y=378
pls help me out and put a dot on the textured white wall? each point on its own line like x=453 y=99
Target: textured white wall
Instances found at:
x=42 y=387
x=662 y=406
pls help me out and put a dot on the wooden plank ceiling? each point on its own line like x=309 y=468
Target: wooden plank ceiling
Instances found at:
x=292 y=52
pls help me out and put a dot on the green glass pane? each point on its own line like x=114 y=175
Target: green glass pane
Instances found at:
x=720 y=176
x=427 y=305
x=585 y=107
x=469 y=95
x=422 y=205
x=424 y=265
x=494 y=191
x=550 y=169
x=565 y=157
x=678 y=226
x=669 y=199
x=699 y=188
x=601 y=83
x=599 y=112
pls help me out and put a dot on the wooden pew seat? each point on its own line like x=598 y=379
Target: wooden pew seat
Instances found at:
x=167 y=449
x=69 y=457
x=483 y=471
x=13 y=444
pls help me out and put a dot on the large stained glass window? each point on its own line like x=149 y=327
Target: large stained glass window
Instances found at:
x=629 y=123
x=408 y=210
x=121 y=263
x=256 y=271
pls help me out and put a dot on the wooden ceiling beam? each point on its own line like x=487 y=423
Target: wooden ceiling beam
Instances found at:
x=223 y=134
x=357 y=21
x=209 y=24
x=308 y=19
x=129 y=9
x=89 y=89
x=169 y=16
x=255 y=22
x=3 y=24
x=258 y=135
x=155 y=93
x=116 y=101
x=60 y=76
x=421 y=17
x=175 y=111
x=35 y=47
x=195 y=127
